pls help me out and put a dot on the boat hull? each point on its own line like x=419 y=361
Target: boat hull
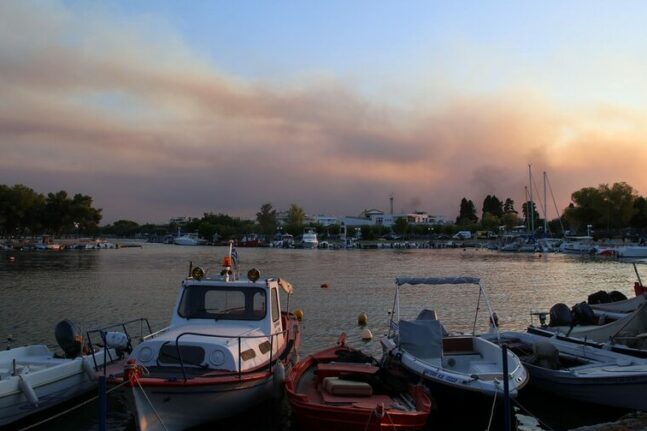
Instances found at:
x=625 y=390
x=179 y=407
x=314 y=412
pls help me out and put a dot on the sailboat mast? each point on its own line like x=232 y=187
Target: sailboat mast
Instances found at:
x=531 y=210
x=545 y=207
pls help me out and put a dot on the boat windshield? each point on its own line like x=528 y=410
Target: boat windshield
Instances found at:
x=219 y=302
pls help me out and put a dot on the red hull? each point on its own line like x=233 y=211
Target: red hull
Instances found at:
x=313 y=412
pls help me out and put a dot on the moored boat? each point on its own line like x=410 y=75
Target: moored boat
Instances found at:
x=34 y=379
x=341 y=388
x=226 y=350
x=453 y=366
x=580 y=372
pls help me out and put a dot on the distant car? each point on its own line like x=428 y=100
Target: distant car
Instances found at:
x=464 y=234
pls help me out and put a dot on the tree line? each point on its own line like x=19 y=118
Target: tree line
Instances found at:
x=606 y=208
x=26 y=212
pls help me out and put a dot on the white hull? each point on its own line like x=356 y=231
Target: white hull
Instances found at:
x=184 y=407
x=632 y=251
x=52 y=380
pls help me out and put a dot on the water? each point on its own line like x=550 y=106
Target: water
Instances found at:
x=97 y=287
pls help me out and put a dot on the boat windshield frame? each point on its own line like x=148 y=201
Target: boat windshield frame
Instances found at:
x=194 y=303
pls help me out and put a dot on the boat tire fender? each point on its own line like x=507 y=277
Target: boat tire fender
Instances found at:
x=29 y=392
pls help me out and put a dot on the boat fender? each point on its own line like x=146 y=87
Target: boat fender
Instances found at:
x=116 y=340
x=89 y=369
x=277 y=381
x=29 y=392
x=132 y=372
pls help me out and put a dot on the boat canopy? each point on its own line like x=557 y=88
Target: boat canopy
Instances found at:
x=437 y=280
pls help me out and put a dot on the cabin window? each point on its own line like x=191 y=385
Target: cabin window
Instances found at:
x=219 y=302
x=276 y=313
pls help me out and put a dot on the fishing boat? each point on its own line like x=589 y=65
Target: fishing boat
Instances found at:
x=453 y=366
x=226 y=350
x=580 y=372
x=343 y=389
x=189 y=239
x=33 y=378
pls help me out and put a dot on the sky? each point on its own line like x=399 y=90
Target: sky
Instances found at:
x=159 y=109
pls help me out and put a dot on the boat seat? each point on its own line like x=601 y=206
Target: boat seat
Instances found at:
x=344 y=368
x=339 y=387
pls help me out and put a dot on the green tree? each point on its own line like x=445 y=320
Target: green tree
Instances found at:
x=20 y=209
x=467 y=214
x=85 y=217
x=266 y=219
x=508 y=207
x=295 y=220
x=525 y=209
x=122 y=228
x=639 y=220
x=490 y=221
x=492 y=205
x=401 y=226
x=510 y=220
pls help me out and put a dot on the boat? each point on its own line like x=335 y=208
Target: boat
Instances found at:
x=189 y=239
x=33 y=378
x=309 y=238
x=580 y=372
x=226 y=349
x=632 y=251
x=627 y=334
x=343 y=389
x=455 y=365
x=578 y=245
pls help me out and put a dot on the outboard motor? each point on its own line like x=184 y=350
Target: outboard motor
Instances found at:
x=583 y=314
x=560 y=315
x=599 y=297
x=69 y=337
x=616 y=296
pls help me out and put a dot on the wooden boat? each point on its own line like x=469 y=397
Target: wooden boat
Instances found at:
x=342 y=389
x=34 y=379
x=452 y=366
x=225 y=351
x=580 y=372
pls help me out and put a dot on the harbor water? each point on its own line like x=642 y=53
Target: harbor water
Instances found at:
x=98 y=287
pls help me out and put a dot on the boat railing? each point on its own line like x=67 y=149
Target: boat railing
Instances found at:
x=124 y=327
x=239 y=339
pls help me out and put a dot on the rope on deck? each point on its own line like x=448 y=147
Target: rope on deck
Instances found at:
x=88 y=401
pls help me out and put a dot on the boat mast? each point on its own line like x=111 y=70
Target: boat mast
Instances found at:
x=545 y=208
x=531 y=209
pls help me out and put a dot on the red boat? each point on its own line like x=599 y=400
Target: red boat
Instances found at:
x=341 y=388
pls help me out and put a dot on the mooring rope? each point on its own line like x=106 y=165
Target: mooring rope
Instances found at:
x=88 y=401
x=528 y=412
x=489 y=424
x=151 y=405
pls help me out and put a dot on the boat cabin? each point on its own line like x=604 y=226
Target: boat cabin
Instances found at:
x=220 y=324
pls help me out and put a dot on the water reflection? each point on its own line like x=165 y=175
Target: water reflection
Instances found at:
x=97 y=287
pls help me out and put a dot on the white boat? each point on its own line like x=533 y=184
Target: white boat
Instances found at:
x=629 y=330
x=632 y=251
x=459 y=364
x=580 y=372
x=578 y=245
x=309 y=239
x=33 y=379
x=225 y=351
x=189 y=239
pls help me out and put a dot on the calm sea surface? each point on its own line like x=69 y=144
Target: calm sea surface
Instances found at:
x=98 y=287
